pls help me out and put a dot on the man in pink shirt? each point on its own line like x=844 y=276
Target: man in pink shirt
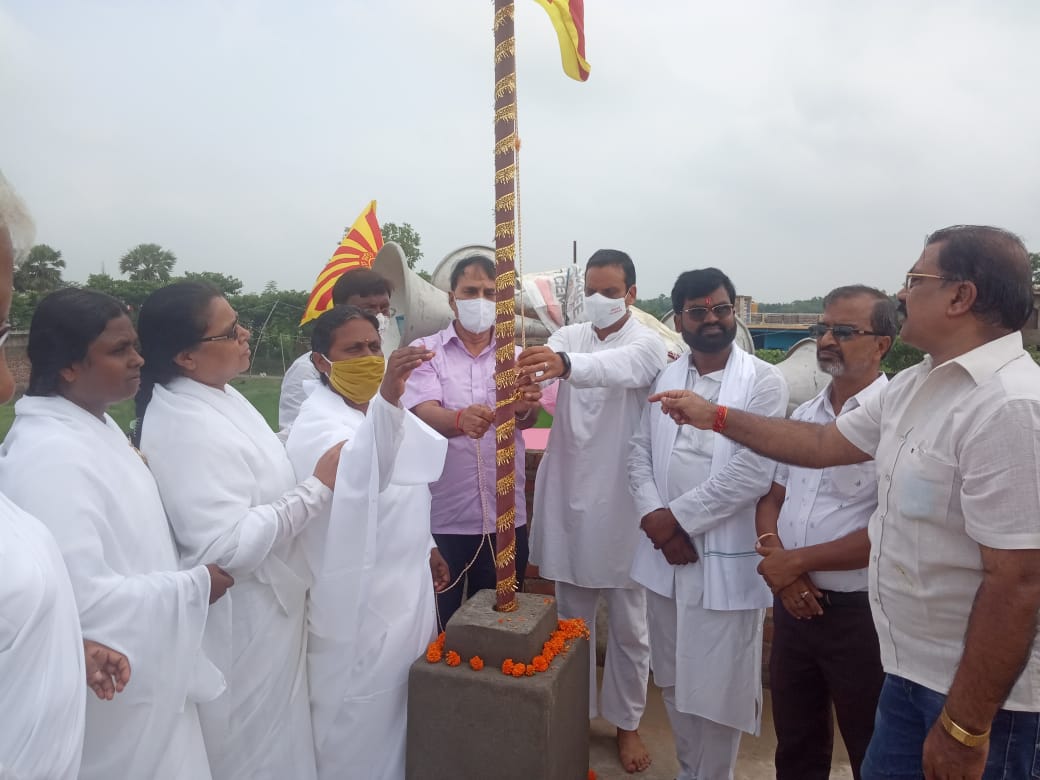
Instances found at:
x=454 y=393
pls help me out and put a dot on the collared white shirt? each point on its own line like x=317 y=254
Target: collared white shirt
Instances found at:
x=957 y=449
x=823 y=505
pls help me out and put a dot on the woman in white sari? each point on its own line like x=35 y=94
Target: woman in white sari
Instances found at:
x=232 y=497
x=68 y=463
x=372 y=604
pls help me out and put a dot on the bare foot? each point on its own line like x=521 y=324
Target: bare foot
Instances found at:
x=631 y=751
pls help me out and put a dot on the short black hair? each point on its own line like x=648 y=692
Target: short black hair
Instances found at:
x=884 y=320
x=698 y=284
x=997 y=262
x=63 y=327
x=360 y=281
x=326 y=325
x=486 y=264
x=604 y=257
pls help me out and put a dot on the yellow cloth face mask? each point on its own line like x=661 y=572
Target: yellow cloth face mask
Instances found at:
x=357 y=379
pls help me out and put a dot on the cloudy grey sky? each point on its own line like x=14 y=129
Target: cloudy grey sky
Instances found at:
x=797 y=145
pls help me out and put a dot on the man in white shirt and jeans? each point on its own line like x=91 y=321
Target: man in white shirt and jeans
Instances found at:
x=954 y=569
x=812 y=529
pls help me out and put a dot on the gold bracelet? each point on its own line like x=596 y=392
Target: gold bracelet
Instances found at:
x=963 y=736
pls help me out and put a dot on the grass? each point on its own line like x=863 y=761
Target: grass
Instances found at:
x=262 y=392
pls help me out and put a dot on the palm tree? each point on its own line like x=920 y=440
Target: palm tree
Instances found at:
x=40 y=271
x=148 y=263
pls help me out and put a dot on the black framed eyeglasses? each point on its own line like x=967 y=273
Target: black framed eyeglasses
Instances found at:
x=700 y=313
x=231 y=335
x=841 y=332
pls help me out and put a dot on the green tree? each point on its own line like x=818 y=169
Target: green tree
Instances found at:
x=148 y=263
x=229 y=285
x=409 y=240
x=129 y=291
x=901 y=356
x=658 y=306
x=808 y=306
x=40 y=271
x=1034 y=261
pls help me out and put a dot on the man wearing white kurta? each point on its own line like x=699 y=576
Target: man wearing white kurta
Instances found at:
x=100 y=501
x=696 y=493
x=585 y=526
x=372 y=605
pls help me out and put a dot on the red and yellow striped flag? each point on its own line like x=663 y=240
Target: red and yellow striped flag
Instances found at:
x=568 y=17
x=357 y=250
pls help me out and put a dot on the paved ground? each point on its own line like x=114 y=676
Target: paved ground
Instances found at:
x=756 y=753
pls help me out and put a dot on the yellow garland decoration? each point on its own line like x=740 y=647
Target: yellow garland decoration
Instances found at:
x=507 y=555
x=505 y=175
x=507 y=517
x=503 y=15
x=506 y=485
x=505 y=379
x=505 y=402
x=505 y=49
x=505 y=85
x=505 y=455
x=506 y=430
x=504 y=146
x=506 y=330
x=505 y=203
x=508 y=585
x=504 y=353
x=503 y=229
x=505 y=254
x=504 y=308
x=505 y=280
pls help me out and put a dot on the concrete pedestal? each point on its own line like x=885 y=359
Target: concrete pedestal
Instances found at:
x=467 y=725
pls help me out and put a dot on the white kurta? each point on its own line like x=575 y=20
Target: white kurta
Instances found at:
x=82 y=478
x=585 y=527
x=42 y=680
x=301 y=377
x=233 y=500
x=372 y=607
x=719 y=600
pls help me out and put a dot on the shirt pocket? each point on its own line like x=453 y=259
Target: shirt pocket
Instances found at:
x=925 y=486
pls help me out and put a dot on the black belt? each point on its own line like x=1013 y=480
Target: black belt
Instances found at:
x=840 y=598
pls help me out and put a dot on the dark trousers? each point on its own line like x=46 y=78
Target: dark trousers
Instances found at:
x=458 y=550
x=831 y=659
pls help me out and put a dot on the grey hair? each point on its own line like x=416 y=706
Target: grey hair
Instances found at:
x=15 y=218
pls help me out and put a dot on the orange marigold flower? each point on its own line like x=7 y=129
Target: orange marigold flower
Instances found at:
x=529 y=670
x=476 y=663
x=592 y=774
x=439 y=641
x=519 y=670
x=507 y=666
x=539 y=663
x=433 y=653
x=454 y=659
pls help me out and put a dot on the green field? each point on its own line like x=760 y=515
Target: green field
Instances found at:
x=261 y=391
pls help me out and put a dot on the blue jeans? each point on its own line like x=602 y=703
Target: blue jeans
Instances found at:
x=905 y=714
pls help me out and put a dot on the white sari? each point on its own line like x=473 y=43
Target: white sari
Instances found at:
x=372 y=607
x=81 y=477
x=232 y=499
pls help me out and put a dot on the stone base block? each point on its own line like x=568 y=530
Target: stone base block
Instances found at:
x=467 y=725
x=477 y=629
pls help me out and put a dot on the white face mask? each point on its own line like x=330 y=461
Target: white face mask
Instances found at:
x=476 y=314
x=602 y=311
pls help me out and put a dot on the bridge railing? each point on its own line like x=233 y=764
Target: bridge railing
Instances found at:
x=781 y=318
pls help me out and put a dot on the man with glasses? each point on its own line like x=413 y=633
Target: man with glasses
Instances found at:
x=954 y=570
x=585 y=526
x=812 y=528
x=696 y=495
x=370 y=292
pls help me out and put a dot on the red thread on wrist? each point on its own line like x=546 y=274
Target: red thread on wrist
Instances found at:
x=720 y=419
x=458 y=416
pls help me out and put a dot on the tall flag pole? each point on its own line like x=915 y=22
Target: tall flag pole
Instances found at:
x=505 y=320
